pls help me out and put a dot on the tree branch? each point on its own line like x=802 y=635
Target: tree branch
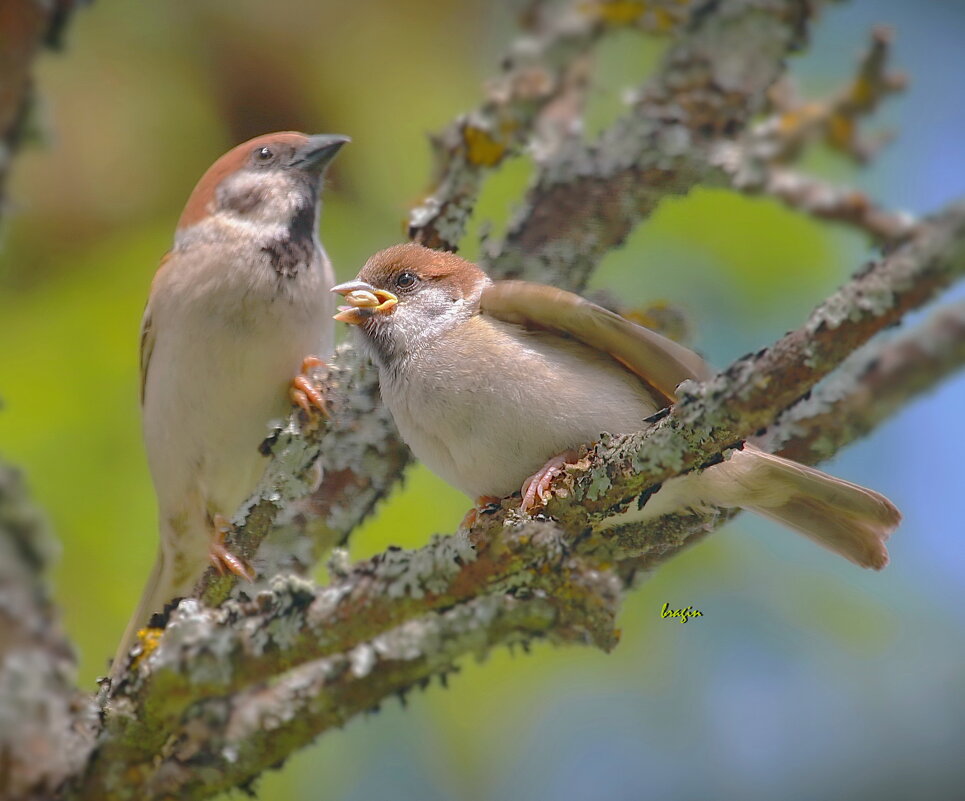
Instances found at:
x=835 y=120
x=540 y=91
x=713 y=79
x=869 y=388
x=810 y=195
x=220 y=693
x=25 y=27
x=46 y=723
x=711 y=82
x=404 y=616
x=749 y=394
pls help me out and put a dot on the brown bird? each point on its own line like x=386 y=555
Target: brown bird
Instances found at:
x=493 y=385
x=236 y=306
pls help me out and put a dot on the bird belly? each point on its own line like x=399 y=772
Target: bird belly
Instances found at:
x=485 y=425
x=208 y=400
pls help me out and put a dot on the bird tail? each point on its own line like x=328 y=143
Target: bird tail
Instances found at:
x=846 y=518
x=162 y=586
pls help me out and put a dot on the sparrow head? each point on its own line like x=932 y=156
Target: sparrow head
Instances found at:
x=269 y=181
x=409 y=294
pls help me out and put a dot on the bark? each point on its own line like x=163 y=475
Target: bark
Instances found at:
x=46 y=722
x=238 y=677
x=404 y=617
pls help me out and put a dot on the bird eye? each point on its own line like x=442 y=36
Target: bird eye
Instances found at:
x=406 y=280
x=264 y=154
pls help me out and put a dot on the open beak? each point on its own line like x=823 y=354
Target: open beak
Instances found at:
x=363 y=301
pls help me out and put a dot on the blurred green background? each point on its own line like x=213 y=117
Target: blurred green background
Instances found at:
x=805 y=678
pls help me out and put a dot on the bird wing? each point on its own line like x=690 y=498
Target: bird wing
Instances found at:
x=147 y=330
x=147 y=347
x=660 y=362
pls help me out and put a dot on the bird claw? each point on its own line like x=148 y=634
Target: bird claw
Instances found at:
x=484 y=504
x=221 y=558
x=304 y=394
x=537 y=489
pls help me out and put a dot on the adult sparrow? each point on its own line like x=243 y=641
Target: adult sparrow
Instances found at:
x=236 y=306
x=493 y=385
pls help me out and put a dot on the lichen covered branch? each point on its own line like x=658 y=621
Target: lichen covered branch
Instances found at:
x=748 y=395
x=322 y=480
x=388 y=625
x=870 y=387
x=759 y=161
x=46 y=723
x=232 y=681
x=836 y=120
x=713 y=79
x=404 y=616
x=535 y=75
x=813 y=196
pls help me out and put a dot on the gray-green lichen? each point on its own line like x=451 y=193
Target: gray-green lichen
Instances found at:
x=46 y=724
x=229 y=691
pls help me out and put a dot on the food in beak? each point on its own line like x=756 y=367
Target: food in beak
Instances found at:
x=364 y=304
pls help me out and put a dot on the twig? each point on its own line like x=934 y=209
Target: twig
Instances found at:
x=783 y=136
x=377 y=629
x=749 y=394
x=542 y=81
x=220 y=694
x=714 y=78
x=870 y=387
x=813 y=196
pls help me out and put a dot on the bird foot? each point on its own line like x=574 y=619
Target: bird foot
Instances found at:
x=304 y=394
x=484 y=504
x=536 y=489
x=221 y=558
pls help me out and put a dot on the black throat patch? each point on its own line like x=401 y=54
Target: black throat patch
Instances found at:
x=295 y=249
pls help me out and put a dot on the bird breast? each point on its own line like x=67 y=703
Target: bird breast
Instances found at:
x=229 y=337
x=488 y=404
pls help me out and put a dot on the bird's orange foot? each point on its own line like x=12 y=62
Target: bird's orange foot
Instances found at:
x=536 y=489
x=304 y=394
x=484 y=504
x=221 y=558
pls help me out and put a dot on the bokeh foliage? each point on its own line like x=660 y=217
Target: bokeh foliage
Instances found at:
x=144 y=98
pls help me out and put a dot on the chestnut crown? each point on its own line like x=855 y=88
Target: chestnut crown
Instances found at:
x=409 y=269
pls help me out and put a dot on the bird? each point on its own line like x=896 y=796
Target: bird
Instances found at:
x=238 y=312
x=495 y=385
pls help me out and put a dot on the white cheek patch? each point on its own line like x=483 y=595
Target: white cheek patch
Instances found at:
x=261 y=198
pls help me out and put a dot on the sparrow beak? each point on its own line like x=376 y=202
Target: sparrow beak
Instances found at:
x=364 y=302
x=318 y=151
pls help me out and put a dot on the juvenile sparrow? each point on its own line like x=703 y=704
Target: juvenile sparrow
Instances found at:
x=493 y=385
x=236 y=308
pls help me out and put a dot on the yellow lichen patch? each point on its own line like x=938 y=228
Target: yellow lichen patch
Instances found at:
x=663 y=20
x=481 y=148
x=617 y=12
x=663 y=318
x=148 y=639
x=862 y=93
x=795 y=119
x=840 y=131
